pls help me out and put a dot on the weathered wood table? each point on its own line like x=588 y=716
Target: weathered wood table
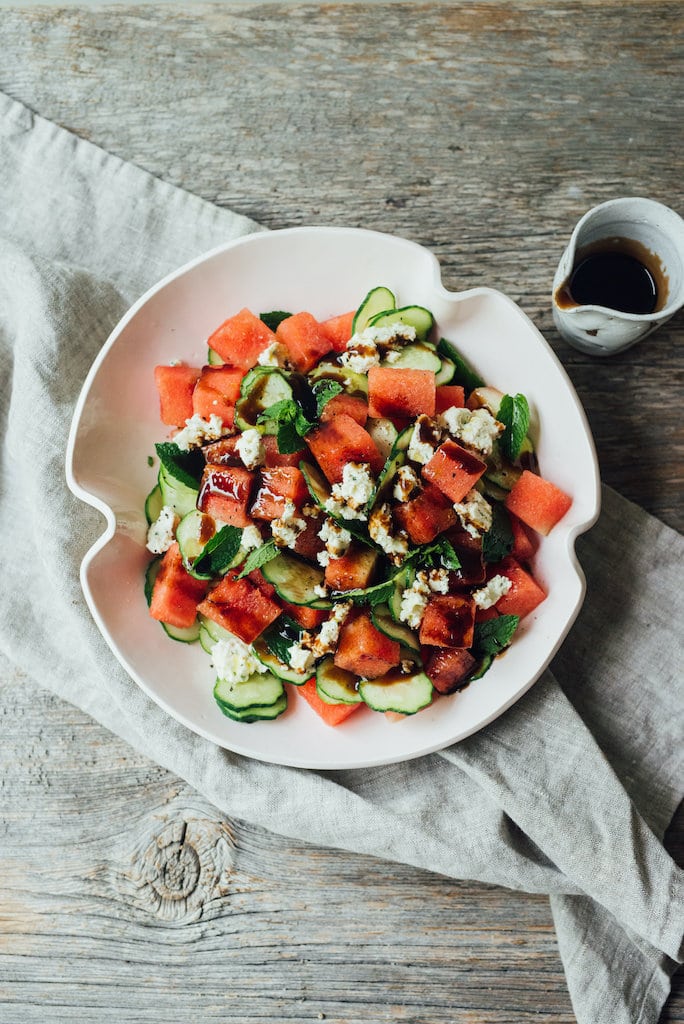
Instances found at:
x=483 y=130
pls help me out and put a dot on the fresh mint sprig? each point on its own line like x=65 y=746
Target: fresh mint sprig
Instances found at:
x=258 y=557
x=514 y=413
x=325 y=389
x=291 y=424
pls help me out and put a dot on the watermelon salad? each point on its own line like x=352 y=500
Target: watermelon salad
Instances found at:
x=344 y=511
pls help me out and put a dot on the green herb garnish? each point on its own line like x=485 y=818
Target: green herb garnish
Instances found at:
x=514 y=413
x=218 y=553
x=498 y=540
x=463 y=374
x=275 y=317
x=325 y=389
x=259 y=556
x=492 y=636
x=186 y=467
x=291 y=424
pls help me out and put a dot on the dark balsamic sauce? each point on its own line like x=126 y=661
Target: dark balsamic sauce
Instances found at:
x=616 y=273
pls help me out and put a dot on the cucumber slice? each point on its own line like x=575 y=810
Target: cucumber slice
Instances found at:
x=187 y=635
x=354 y=383
x=335 y=686
x=214 y=359
x=294 y=580
x=383 y=487
x=257 y=713
x=179 y=496
x=463 y=373
x=404 y=440
x=263 y=386
x=262 y=689
x=415 y=357
x=150 y=576
x=206 y=639
x=277 y=667
x=384 y=434
x=445 y=374
x=189 y=535
x=319 y=488
x=154 y=503
x=384 y=621
x=403 y=580
x=395 y=692
x=413 y=316
x=215 y=631
x=378 y=300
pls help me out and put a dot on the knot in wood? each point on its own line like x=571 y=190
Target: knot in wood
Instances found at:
x=178 y=871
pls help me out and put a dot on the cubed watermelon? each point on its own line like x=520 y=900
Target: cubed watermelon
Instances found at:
x=525 y=593
x=354 y=569
x=397 y=391
x=241 y=607
x=340 y=441
x=216 y=392
x=351 y=405
x=176 y=385
x=454 y=470
x=339 y=329
x=449 y=621
x=277 y=486
x=241 y=338
x=472 y=569
x=426 y=515
x=176 y=594
x=305 y=339
x=307 y=618
x=308 y=544
x=225 y=493
x=524 y=545
x=364 y=650
x=448 y=396
x=274 y=457
x=448 y=668
x=537 y=501
x=332 y=714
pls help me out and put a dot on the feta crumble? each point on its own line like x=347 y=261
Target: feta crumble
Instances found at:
x=235 y=661
x=274 y=354
x=160 y=534
x=325 y=641
x=424 y=439
x=251 y=538
x=478 y=429
x=487 y=596
x=301 y=660
x=287 y=527
x=406 y=481
x=250 y=448
x=356 y=487
x=197 y=432
x=438 y=581
x=414 y=601
x=379 y=527
x=335 y=538
x=475 y=513
x=366 y=348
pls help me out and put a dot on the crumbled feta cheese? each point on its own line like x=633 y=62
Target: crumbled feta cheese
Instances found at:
x=274 y=355
x=365 y=348
x=438 y=581
x=360 y=355
x=301 y=660
x=251 y=538
x=414 y=601
x=424 y=439
x=313 y=511
x=356 y=487
x=487 y=596
x=326 y=639
x=197 y=432
x=287 y=527
x=250 y=448
x=341 y=509
x=174 y=362
x=393 y=356
x=405 y=482
x=320 y=590
x=160 y=534
x=323 y=558
x=234 y=661
x=335 y=538
x=478 y=428
x=475 y=513
x=379 y=527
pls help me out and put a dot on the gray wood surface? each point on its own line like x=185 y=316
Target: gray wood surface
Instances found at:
x=483 y=130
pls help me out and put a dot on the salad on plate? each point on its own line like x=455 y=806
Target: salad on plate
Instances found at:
x=344 y=511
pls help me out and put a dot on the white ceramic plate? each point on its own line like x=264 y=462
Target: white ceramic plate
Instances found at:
x=116 y=423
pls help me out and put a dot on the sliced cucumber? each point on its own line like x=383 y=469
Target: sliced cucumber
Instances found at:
x=404 y=440
x=213 y=358
x=378 y=300
x=384 y=434
x=154 y=503
x=394 y=692
x=215 y=631
x=179 y=496
x=463 y=373
x=262 y=387
x=335 y=686
x=385 y=482
x=189 y=535
x=187 y=635
x=257 y=713
x=206 y=639
x=319 y=488
x=150 y=576
x=384 y=621
x=413 y=316
x=353 y=383
x=276 y=666
x=415 y=357
x=403 y=580
x=295 y=580
x=262 y=689
x=445 y=374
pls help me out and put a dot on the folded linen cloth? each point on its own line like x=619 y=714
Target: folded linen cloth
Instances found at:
x=568 y=793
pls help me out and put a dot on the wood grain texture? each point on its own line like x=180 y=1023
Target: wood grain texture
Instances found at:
x=484 y=131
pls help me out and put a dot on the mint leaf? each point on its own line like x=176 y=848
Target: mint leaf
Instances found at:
x=378 y=594
x=290 y=423
x=275 y=317
x=514 y=413
x=281 y=636
x=258 y=557
x=448 y=556
x=185 y=467
x=288 y=439
x=324 y=390
x=284 y=411
x=492 y=636
x=219 y=552
x=463 y=374
x=498 y=540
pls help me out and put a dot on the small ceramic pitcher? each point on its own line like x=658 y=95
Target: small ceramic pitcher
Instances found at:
x=653 y=231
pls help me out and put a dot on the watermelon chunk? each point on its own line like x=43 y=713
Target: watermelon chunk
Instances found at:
x=216 y=392
x=449 y=621
x=307 y=618
x=538 y=502
x=339 y=329
x=400 y=392
x=350 y=405
x=448 y=396
x=176 y=593
x=308 y=544
x=364 y=650
x=332 y=714
x=340 y=441
x=524 y=545
x=225 y=493
x=354 y=569
x=426 y=516
x=305 y=339
x=448 y=668
x=176 y=385
x=241 y=338
x=525 y=593
x=279 y=485
x=276 y=458
x=454 y=470
x=240 y=606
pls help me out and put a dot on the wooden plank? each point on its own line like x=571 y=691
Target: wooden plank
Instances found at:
x=483 y=130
